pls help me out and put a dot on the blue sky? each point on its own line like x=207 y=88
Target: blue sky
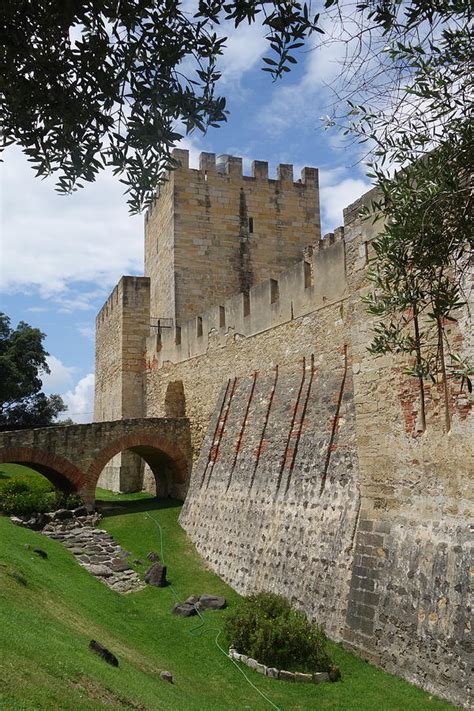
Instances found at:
x=61 y=256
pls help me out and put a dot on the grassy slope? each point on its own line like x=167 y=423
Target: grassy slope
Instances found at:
x=45 y=629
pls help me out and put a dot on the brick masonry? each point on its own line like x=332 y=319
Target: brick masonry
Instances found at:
x=311 y=474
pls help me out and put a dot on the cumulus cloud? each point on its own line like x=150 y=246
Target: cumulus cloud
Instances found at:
x=337 y=192
x=80 y=400
x=50 y=241
x=60 y=377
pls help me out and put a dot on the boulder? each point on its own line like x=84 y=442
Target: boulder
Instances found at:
x=166 y=676
x=211 y=602
x=182 y=609
x=273 y=673
x=156 y=575
x=103 y=652
x=192 y=600
x=80 y=511
x=17 y=521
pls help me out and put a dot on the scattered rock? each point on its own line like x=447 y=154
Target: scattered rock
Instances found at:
x=118 y=565
x=192 y=600
x=17 y=521
x=101 y=571
x=103 y=652
x=40 y=552
x=19 y=578
x=80 y=511
x=154 y=557
x=62 y=514
x=211 y=602
x=182 y=609
x=166 y=676
x=156 y=575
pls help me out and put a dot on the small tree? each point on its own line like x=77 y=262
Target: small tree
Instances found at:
x=22 y=360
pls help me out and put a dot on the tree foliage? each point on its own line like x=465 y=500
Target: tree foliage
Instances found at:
x=94 y=83
x=22 y=361
x=419 y=128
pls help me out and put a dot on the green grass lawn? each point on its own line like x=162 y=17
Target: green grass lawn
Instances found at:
x=45 y=629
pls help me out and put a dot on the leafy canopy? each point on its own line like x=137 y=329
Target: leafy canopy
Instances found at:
x=94 y=83
x=22 y=361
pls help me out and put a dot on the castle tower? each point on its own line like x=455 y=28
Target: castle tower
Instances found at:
x=214 y=232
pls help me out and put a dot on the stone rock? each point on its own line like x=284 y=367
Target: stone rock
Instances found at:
x=212 y=602
x=153 y=556
x=119 y=566
x=40 y=552
x=27 y=546
x=182 y=609
x=287 y=675
x=101 y=571
x=319 y=677
x=306 y=678
x=103 y=652
x=260 y=668
x=252 y=663
x=273 y=673
x=17 y=521
x=166 y=676
x=80 y=511
x=192 y=600
x=156 y=575
x=62 y=514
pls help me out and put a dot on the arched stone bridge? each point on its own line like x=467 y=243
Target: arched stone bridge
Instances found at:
x=73 y=456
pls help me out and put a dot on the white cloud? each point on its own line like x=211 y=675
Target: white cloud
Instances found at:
x=338 y=195
x=87 y=330
x=245 y=46
x=60 y=377
x=50 y=241
x=80 y=400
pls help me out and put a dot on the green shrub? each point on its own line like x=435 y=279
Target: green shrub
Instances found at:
x=266 y=628
x=21 y=498
x=27 y=502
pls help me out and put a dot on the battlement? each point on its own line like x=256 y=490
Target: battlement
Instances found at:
x=316 y=281
x=125 y=293
x=231 y=168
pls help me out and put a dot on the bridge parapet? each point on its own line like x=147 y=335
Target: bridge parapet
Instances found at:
x=73 y=456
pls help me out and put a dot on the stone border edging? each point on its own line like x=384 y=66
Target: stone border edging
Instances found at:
x=273 y=673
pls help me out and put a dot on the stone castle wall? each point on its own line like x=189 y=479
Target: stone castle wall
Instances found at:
x=312 y=476
x=122 y=327
x=215 y=232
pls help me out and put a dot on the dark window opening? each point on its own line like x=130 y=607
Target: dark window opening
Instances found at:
x=250 y=225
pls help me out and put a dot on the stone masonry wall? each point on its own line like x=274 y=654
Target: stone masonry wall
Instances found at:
x=121 y=329
x=279 y=458
x=214 y=233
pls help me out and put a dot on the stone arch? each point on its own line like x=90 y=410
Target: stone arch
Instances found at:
x=156 y=451
x=59 y=471
x=175 y=401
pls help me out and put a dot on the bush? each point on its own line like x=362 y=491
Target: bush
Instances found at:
x=266 y=628
x=27 y=502
x=21 y=498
